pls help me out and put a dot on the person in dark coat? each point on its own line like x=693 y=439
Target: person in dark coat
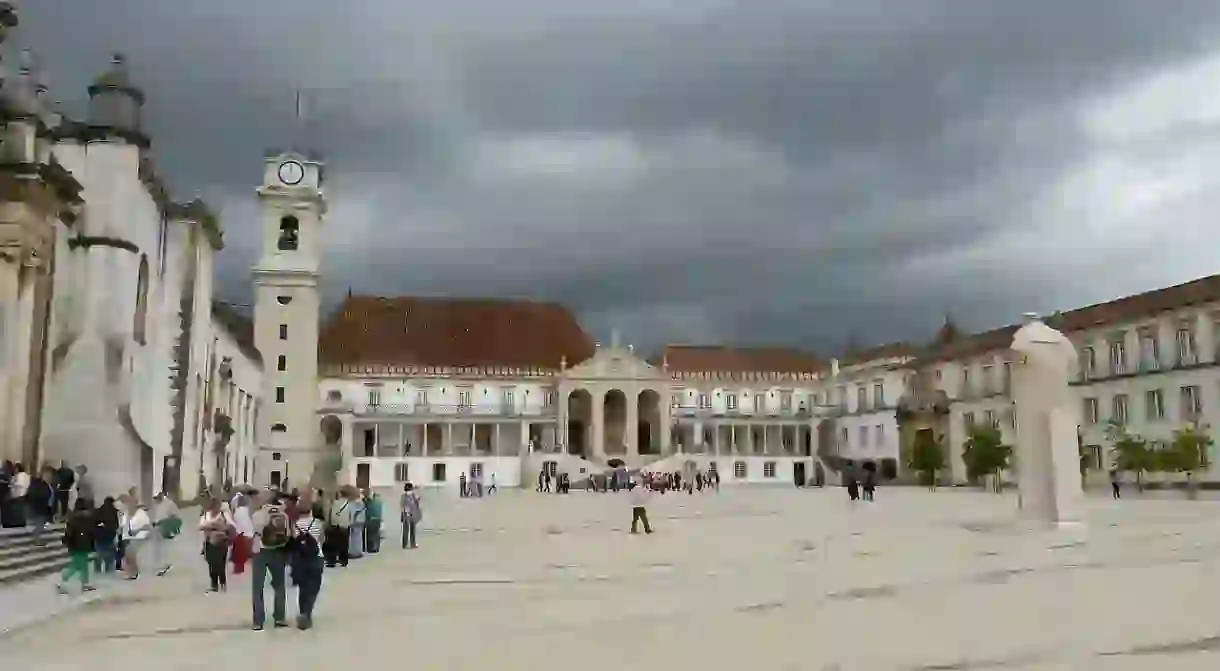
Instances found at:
x=105 y=536
x=40 y=501
x=64 y=479
x=78 y=540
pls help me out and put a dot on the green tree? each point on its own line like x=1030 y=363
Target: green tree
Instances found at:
x=927 y=458
x=1187 y=453
x=1131 y=453
x=985 y=454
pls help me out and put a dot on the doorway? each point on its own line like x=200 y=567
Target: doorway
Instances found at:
x=362 y=476
x=798 y=473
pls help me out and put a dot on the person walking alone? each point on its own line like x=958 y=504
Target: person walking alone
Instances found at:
x=639 y=508
x=218 y=534
x=411 y=514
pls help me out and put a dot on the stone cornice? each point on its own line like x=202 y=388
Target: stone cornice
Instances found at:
x=198 y=212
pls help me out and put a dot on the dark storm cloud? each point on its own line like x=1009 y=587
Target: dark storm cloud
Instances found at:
x=784 y=172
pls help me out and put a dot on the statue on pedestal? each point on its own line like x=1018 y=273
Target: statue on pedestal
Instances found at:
x=1048 y=468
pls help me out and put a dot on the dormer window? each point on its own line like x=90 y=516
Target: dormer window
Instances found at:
x=289 y=231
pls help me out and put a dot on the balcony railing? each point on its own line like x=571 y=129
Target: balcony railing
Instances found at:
x=503 y=409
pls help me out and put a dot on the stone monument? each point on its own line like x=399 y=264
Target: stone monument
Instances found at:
x=1048 y=463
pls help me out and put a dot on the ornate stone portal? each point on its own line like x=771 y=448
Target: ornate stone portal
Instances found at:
x=1048 y=468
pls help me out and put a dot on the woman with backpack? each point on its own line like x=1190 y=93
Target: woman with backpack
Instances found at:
x=307 y=563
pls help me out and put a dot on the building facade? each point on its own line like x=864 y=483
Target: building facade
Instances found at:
x=114 y=355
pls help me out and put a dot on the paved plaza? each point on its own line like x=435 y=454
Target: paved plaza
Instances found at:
x=760 y=578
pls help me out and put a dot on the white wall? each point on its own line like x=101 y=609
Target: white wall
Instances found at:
x=419 y=471
x=402 y=395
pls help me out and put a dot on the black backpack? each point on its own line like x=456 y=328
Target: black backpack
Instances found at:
x=304 y=546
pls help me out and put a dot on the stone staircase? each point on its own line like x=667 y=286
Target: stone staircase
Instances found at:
x=26 y=555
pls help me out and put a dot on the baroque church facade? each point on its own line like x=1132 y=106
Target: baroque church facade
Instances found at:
x=113 y=352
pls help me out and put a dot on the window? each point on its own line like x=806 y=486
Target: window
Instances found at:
x=140 y=318
x=374 y=398
x=283 y=331
x=464 y=399
x=278 y=428
x=550 y=468
x=1118 y=408
x=989 y=379
x=276 y=456
x=400 y=473
x=704 y=401
x=989 y=419
x=421 y=397
x=1007 y=377
x=279 y=394
x=861 y=398
x=1154 y=402
x=968 y=420
x=843 y=399
x=845 y=438
x=785 y=400
x=863 y=431
x=1191 y=407
x=758 y=404
x=1186 y=346
x=476 y=470
x=289 y=233
x=1090 y=411
x=966 y=386
x=879 y=434
x=730 y=401
x=768 y=469
x=878 y=395
x=283 y=300
x=1088 y=363
x=438 y=472
x=739 y=469
x=281 y=363
x=510 y=398
x=1118 y=357
x=1150 y=356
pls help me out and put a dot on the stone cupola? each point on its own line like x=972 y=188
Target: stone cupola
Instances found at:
x=115 y=103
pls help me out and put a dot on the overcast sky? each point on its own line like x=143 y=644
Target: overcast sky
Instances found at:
x=774 y=171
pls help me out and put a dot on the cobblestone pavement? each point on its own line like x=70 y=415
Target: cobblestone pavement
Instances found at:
x=758 y=578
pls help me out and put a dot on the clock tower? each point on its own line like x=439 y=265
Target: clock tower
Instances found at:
x=286 y=309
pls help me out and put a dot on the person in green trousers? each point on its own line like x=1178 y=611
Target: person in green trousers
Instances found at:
x=78 y=539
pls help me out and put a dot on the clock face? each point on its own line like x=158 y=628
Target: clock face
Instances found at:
x=291 y=173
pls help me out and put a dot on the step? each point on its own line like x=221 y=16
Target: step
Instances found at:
x=44 y=557
x=10 y=551
x=9 y=577
x=24 y=533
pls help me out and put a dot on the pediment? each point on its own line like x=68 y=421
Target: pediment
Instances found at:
x=610 y=363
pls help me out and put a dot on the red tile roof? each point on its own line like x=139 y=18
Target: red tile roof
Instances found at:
x=1119 y=311
x=452 y=332
x=712 y=359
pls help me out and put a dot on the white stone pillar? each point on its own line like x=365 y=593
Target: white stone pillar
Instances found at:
x=632 y=428
x=598 y=426
x=402 y=440
x=697 y=437
x=665 y=420
x=423 y=443
x=495 y=441
x=447 y=449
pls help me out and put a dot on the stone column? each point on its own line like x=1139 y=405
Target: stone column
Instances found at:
x=665 y=420
x=598 y=426
x=402 y=440
x=697 y=438
x=347 y=452
x=632 y=428
x=423 y=442
x=447 y=449
x=495 y=441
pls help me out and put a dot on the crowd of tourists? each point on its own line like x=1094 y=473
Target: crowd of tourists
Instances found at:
x=40 y=497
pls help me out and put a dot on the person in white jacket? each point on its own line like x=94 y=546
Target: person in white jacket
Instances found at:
x=136 y=530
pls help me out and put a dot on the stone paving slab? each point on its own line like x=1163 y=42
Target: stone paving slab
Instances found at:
x=767 y=579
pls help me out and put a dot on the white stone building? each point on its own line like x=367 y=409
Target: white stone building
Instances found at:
x=114 y=355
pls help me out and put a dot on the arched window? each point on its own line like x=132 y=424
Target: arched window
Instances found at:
x=138 y=325
x=289 y=232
